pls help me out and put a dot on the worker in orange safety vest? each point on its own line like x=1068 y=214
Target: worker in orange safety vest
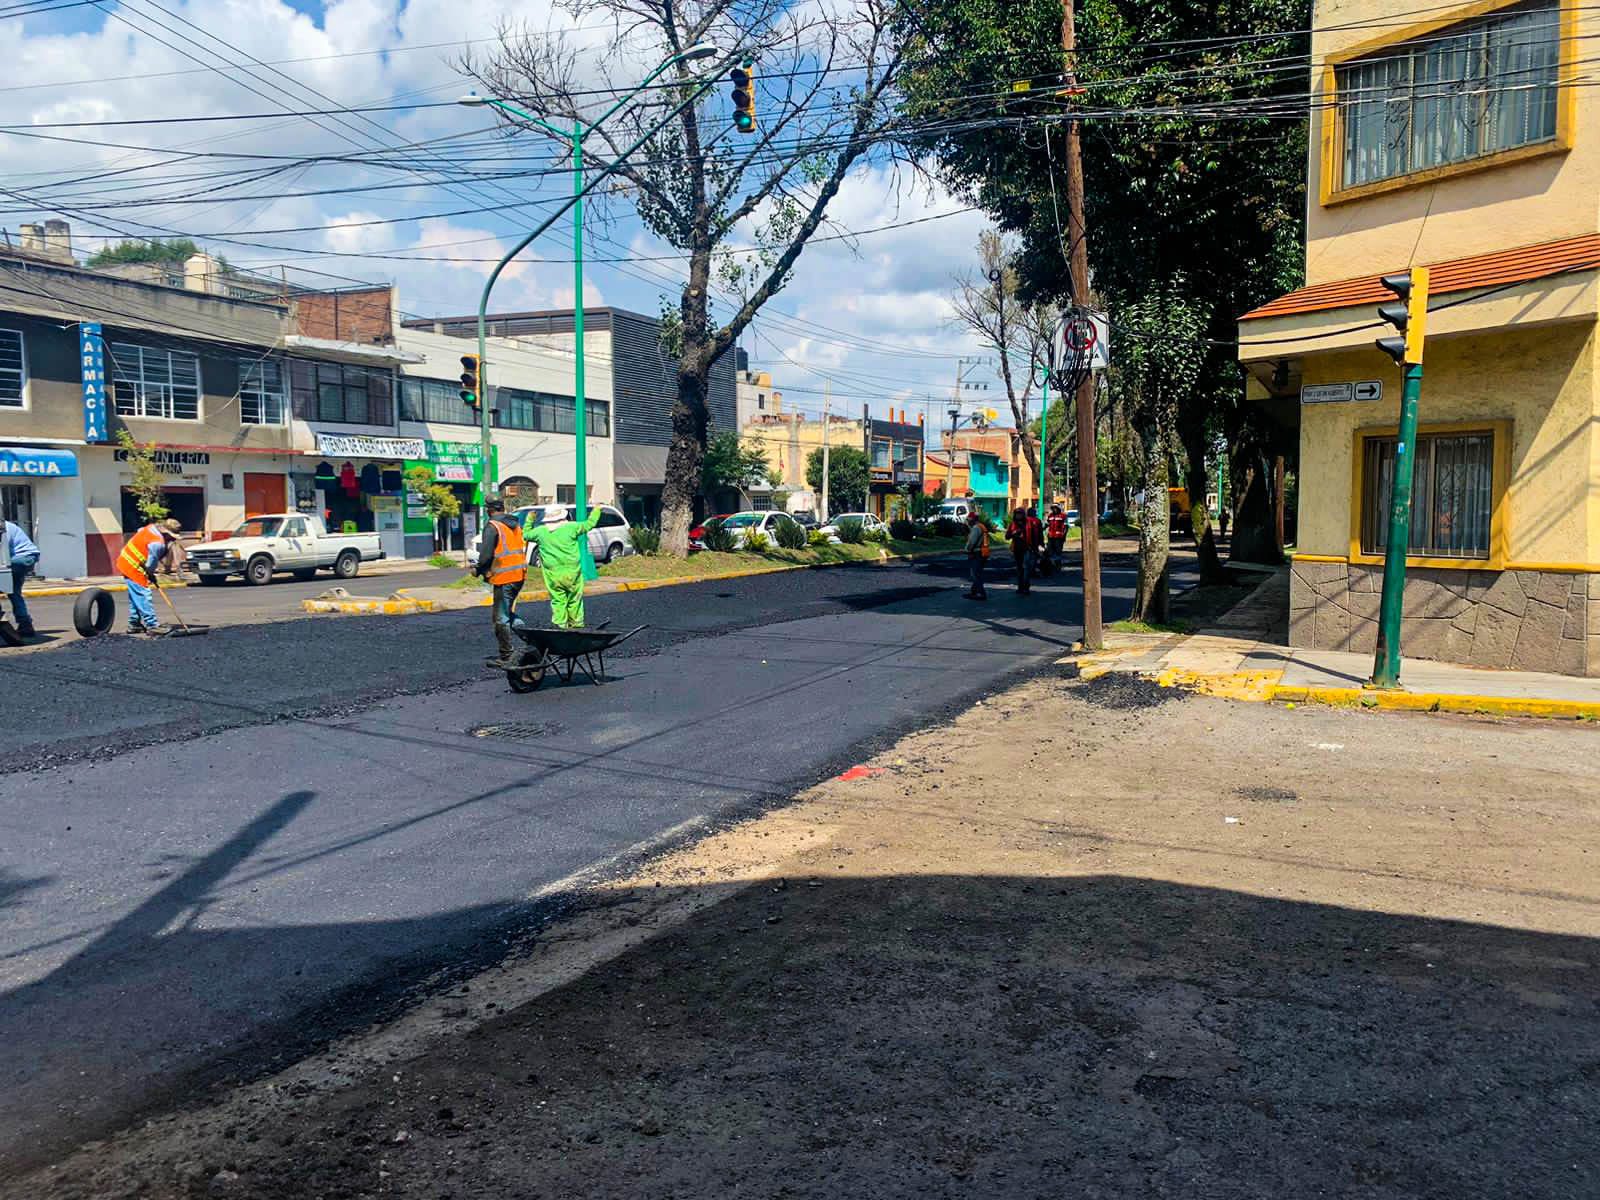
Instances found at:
x=503 y=561
x=141 y=555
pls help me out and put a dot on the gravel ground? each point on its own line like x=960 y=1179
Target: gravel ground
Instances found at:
x=1088 y=940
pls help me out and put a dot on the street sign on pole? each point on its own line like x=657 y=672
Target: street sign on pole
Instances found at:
x=1084 y=334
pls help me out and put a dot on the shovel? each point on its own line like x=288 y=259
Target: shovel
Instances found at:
x=182 y=630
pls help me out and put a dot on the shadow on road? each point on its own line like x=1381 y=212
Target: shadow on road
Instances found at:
x=1025 y=1036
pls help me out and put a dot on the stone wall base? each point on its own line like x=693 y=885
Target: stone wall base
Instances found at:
x=1512 y=620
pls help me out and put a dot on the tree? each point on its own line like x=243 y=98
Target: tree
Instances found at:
x=729 y=463
x=1019 y=333
x=825 y=80
x=439 y=500
x=847 y=477
x=148 y=481
x=1154 y=366
x=1188 y=170
x=153 y=250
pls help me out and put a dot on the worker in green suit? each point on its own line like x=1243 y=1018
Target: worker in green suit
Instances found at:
x=560 y=540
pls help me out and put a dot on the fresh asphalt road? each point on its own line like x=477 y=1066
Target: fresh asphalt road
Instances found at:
x=216 y=851
x=232 y=603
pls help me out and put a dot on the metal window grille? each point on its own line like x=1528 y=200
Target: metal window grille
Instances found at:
x=1452 y=495
x=147 y=382
x=1453 y=96
x=13 y=369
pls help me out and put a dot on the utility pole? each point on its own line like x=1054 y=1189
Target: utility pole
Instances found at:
x=1078 y=264
x=827 y=398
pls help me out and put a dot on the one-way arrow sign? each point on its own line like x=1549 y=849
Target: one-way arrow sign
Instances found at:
x=1369 y=389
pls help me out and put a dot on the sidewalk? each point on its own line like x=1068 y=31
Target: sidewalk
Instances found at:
x=1092 y=940
x=1242 y=656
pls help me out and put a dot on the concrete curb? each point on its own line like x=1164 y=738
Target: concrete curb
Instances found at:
x=401 y=604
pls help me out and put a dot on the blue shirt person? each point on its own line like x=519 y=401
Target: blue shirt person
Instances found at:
x=24 y=556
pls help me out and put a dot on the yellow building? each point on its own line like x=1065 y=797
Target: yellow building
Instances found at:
x=1465 y=144
x=788 y=438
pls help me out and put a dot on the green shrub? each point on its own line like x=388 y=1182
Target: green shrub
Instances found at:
x=816 y=537
x=646 y=539
x=716 y=537
x=878 y=534
x=903 y=530
x=791 y=535
x=851 y=532
x=756 y=542
x=947 y=527
x=443 y=560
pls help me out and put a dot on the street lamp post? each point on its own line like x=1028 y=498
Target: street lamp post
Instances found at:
x=575 y=137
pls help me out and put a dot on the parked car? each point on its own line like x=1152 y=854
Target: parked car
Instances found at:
x=610 y=539
x=297 y=542
x=807 y=520
x=951 y=510
x=869 y=522
x=1072 y=518
x=741 y=525
x=698 y=533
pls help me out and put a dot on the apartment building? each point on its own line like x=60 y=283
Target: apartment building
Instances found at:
x=1464 y=143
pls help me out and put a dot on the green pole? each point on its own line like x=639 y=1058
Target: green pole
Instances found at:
x=1044 y=445
x=580 y=416
x=1386 y=661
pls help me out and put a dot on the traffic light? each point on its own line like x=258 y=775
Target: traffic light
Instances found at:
x=744 y=96
x=471 y=380
x=1409 y=316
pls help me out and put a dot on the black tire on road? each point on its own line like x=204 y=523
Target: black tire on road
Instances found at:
x=93 y=612
x=212 y=581
x=525 y=680
x=613 y=552
x=347 y=564
x=306 y=573
x=258 y=570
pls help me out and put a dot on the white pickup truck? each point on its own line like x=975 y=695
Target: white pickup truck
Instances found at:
x=295 y=542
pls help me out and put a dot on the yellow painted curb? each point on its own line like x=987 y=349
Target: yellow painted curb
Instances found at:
x=79 y=589
x=1499 y=706
x=1235 y=685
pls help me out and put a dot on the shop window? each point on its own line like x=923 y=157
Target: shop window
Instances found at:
x=13 y=369
x=1450 y=97
x=341 y=394
x=1452 y=495
x=147 y=382
x=880 y=452
x=262 y=399
x=567 y=493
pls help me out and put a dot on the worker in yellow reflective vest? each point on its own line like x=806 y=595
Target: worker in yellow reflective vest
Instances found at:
x=559 y=541
x=503 y=561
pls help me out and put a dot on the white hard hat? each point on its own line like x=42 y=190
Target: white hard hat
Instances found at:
x=557 y=513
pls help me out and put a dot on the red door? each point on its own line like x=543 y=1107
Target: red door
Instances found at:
x=262 y=493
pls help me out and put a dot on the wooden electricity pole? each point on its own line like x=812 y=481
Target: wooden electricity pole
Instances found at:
x=1078 y=264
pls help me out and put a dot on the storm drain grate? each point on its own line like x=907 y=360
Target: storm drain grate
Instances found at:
x=524 y=731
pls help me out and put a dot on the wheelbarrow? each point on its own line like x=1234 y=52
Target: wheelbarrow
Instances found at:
x=564 y=651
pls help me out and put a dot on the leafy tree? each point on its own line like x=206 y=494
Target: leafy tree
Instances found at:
x=1203 y=183
x=730 y=463
x=825 y=77
x=440 y=501
x=847 y=477
x=153 y=250
x=147 y=480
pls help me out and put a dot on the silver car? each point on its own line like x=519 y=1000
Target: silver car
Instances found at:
x=609 y=540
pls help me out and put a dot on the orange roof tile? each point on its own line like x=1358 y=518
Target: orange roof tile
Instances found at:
x=1457 y=275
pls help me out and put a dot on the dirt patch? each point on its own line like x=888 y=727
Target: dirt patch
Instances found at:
x=1057 y=947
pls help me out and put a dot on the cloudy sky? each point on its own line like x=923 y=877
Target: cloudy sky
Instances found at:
x=108 y=124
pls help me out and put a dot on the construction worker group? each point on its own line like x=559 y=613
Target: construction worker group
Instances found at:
x=503 y=561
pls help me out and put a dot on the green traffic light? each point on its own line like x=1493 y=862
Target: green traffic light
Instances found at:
x=744 y=123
